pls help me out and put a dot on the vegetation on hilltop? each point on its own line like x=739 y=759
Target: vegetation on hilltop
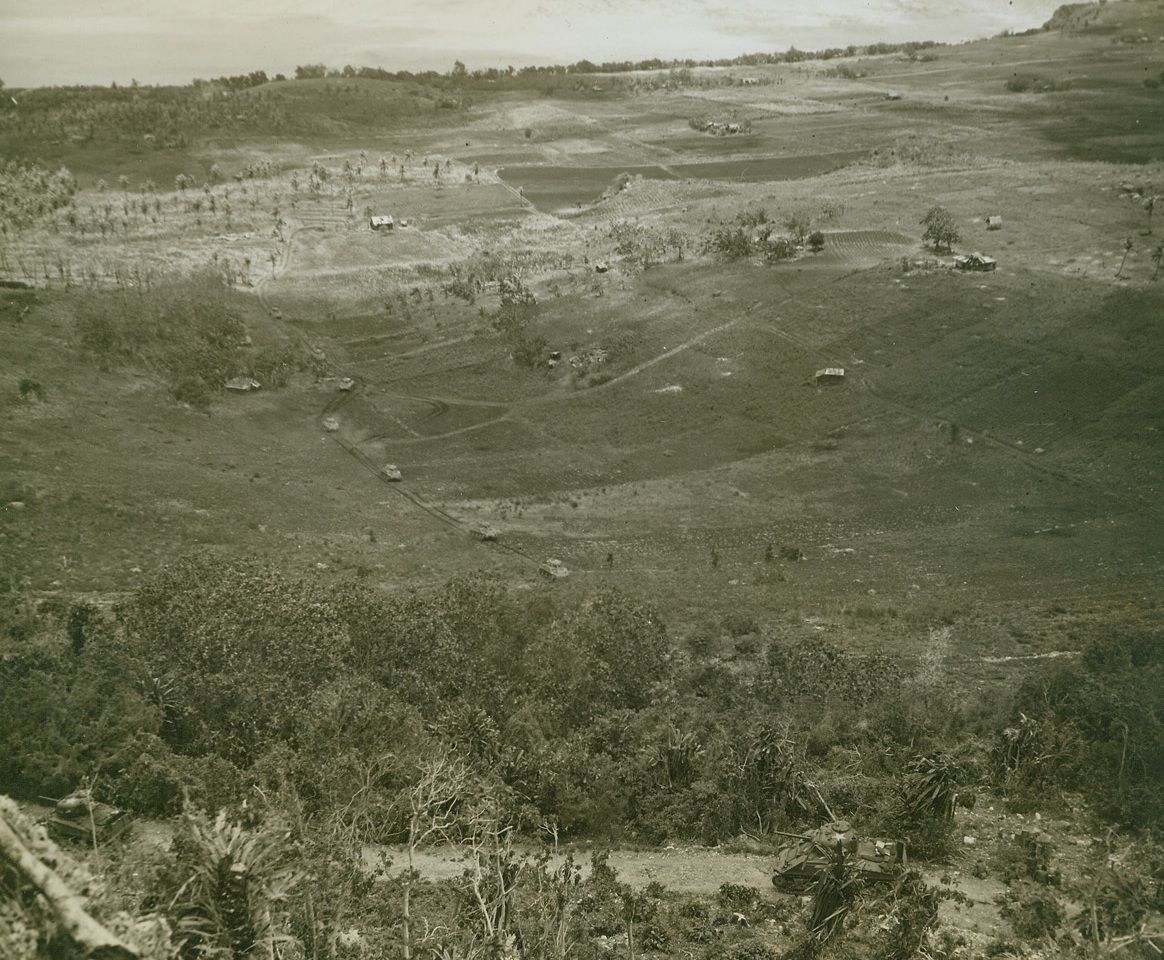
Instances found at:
x=324 y=101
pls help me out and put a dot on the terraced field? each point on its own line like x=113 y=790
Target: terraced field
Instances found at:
x=673 y=409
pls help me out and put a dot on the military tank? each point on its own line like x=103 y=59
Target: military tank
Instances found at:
x=804 y=856
x=79 y=817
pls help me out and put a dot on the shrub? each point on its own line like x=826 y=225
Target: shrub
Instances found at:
x=80 y=616
x=930 y=788
x=241 y=649
x=1029 y=83
x=730 y=243
x=1033 y=912
x=737 y=898
x=1094 y=727
x=812 y=669
x=1118 y=902
x=69 y=718
x=274 y=366
x=740 y=625
x=184 y=328
x=779 y=248
x=906 y=914
x=157 y=782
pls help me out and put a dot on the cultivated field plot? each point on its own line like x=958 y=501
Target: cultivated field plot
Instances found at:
x=555 y=187
x=672 y=408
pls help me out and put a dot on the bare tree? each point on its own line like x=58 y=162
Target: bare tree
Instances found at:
x=492 y=876
x=435 y=810
x=1128 y=244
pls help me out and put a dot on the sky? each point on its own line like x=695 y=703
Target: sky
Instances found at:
x=61 y=42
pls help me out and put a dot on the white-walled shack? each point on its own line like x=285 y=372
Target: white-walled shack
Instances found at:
x=830 y=375
x=382 y=223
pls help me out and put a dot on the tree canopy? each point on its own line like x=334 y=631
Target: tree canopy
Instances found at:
x=941 y=228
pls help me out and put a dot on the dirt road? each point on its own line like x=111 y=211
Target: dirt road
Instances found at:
x=702 y=871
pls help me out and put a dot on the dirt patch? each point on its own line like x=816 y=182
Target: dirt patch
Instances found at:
x=690 y=870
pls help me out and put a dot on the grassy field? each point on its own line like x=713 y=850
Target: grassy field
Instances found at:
x=993 y=459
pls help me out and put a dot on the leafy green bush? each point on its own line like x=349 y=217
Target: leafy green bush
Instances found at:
x=274 y=366
x=1033 y=912
x=68 y=719
x=730 y=243
x=158 y=782
x=1030 y=83
x=930 y=788
x=1095 y=727
x=810 y=669
x=239 y=649
x=737 y=898
x=906 y=913
x=608 y=654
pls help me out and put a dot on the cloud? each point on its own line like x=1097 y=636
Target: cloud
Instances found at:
x=159 y=41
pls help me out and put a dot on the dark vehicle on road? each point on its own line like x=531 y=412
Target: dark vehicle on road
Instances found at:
x=804 y=856
x=79 y=817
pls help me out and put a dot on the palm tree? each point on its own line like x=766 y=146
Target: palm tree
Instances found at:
x=1157 y=256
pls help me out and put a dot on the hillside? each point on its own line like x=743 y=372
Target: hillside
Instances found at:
x=593 y=335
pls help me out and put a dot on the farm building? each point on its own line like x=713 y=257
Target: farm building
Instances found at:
x=381 y=223
x=830 y=375
x=975 y=261
x=994 y=222
x=242 y=384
